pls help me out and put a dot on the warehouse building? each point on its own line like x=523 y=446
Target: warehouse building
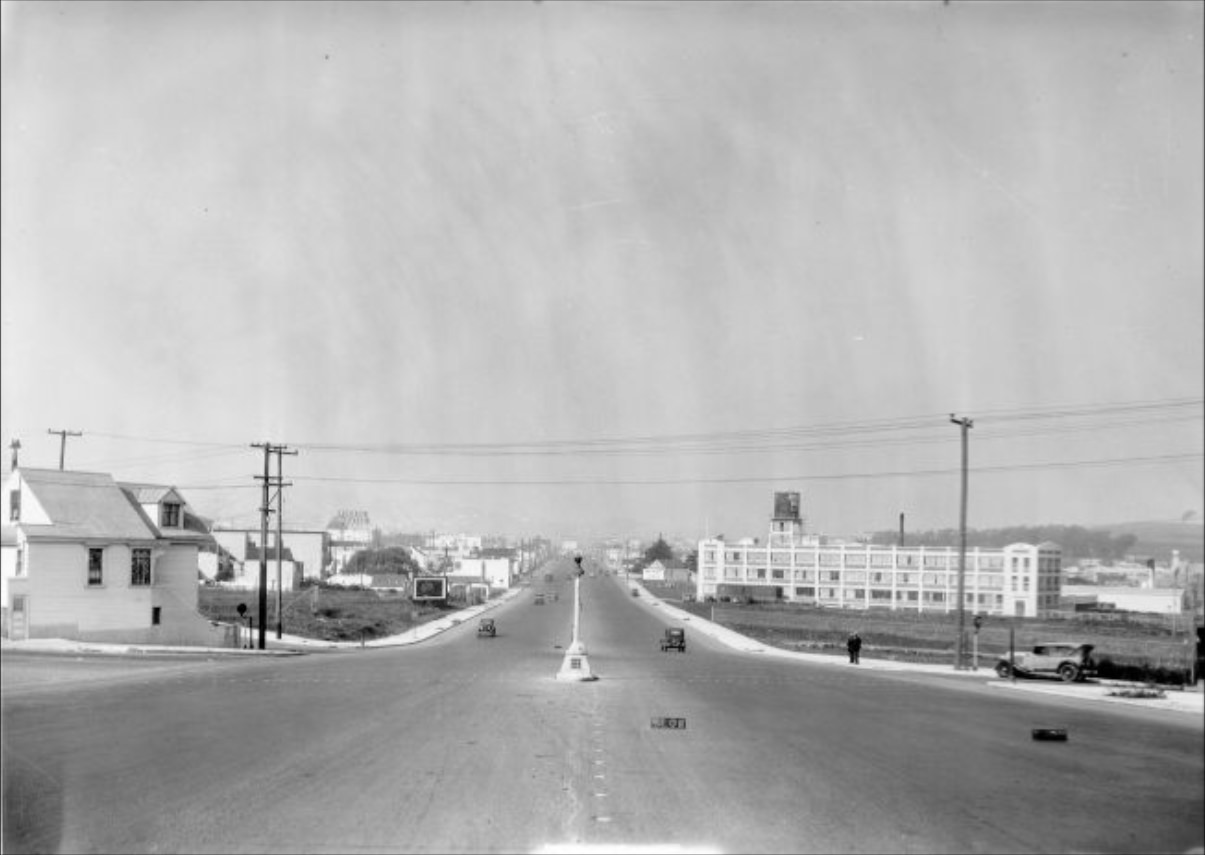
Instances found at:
x=1022 y=580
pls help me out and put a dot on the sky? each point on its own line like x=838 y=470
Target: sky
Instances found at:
x=611 y=269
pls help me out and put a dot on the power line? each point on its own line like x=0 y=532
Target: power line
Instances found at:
x=922 y=429
x=754 y=479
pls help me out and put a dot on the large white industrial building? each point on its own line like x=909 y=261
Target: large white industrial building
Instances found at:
x=1022 y=580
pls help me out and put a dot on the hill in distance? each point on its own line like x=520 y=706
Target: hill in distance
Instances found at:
x=1157 y=538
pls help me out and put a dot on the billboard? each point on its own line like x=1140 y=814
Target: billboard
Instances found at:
x=430 y=588
x=786 y=506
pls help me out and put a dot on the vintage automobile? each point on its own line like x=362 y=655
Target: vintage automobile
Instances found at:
x=485 y=627
x=1068 y=660
x=674 y=639
x=539 y=599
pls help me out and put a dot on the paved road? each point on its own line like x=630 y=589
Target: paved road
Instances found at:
x=464 y=744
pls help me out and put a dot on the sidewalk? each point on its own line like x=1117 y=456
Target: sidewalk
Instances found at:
x=1191 y=701
x=286 y=645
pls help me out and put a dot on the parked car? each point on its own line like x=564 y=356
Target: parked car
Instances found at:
x=1068 y=660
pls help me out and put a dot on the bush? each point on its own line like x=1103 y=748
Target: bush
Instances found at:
x=1107 y=669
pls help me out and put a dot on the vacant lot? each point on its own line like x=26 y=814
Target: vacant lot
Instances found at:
x=1136 y=648
x=328 y=614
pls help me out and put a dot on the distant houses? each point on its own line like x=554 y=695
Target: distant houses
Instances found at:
x=85 y=557
x=303 y=555
x=349 y=532
x=670 y=570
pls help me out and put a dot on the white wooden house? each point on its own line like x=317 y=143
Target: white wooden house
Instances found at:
x=96 y=560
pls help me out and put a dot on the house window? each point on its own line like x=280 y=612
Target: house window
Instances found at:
x=169 y=515
x=96 y=566
x=140 y=567
x=155 y=615
x=21 y=568
x=14 y=506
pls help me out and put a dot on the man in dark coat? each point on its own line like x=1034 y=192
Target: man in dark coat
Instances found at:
x=854 y=645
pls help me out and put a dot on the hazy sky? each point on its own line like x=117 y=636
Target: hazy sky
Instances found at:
x=578 y=269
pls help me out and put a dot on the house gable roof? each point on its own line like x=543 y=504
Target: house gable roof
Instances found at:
x=84 y=505
x=151 y=494
x=669 y=564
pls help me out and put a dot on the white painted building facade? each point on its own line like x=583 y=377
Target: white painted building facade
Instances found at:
x=95 y=560
x=1022 y=580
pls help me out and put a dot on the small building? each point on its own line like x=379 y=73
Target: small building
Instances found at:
x=1160 y=601
x=281 y=570
x=496 y=573
x=671 y=570
x=308 y=549
x=92 y=559
x=349 y=532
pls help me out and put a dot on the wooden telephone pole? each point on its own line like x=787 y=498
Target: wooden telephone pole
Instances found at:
x=63 y=434
x=264 y=510
x=961 y=664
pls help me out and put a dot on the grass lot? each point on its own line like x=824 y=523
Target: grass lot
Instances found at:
x=329 y=614
x=1133 y=649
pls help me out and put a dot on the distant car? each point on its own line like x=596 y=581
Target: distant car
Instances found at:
x=674 y=639
x=1067 y=660
x=486 y=627
x=539 y=599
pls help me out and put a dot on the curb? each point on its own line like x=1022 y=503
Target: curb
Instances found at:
x=288 y=646
x=1191 y=702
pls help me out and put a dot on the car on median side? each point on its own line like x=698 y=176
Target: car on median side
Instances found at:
x=1070 y=661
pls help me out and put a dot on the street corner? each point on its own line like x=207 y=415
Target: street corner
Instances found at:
x=1166 y=699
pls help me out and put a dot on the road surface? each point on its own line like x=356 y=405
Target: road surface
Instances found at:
x=461 y=744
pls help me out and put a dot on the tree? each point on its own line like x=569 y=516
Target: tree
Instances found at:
x=392 y=560
x=225 y=571
x=659 y=551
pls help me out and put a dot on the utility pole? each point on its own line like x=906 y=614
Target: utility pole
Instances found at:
x=264 y=510
x=960 y=663
x=63 y=434
x=280 y=513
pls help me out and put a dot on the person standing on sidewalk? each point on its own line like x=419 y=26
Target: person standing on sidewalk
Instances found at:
x=854 y=646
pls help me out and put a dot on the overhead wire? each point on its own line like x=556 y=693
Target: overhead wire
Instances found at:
x=992 y=426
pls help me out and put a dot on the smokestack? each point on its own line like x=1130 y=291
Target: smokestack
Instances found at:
x=901 y=528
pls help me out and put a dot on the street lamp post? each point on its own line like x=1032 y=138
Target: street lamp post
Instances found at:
x=576 y=667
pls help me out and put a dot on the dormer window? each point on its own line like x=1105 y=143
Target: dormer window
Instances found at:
x=169 y=515
x=14 y=506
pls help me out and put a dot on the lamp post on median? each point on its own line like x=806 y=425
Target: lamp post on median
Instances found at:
x=575 y=667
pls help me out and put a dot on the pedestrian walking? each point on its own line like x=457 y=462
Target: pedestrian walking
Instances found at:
x=854 y=646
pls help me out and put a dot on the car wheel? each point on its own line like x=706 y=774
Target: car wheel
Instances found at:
x=1003 y=670
x=1068 y=672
